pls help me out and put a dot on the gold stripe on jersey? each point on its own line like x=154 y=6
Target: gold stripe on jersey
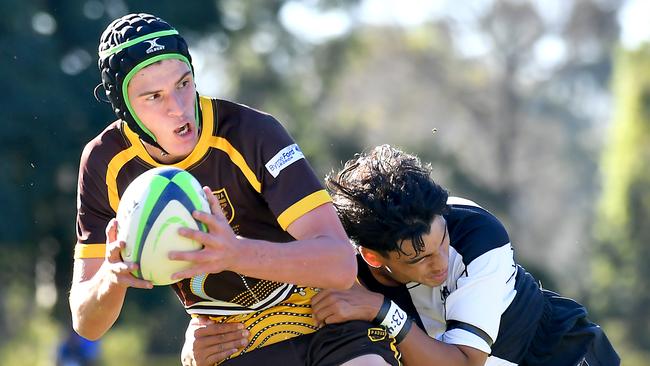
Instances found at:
x=303 y=206
x=206 y=141
x=290 y=318
x=393 y=347
x=89 y=251
x=114 y=167
x=200 y=149
x=237 y=158
x=137 y=149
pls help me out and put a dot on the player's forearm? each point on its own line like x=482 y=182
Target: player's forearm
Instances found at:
x=95 y=305
x=324 y=262
x=420 y=349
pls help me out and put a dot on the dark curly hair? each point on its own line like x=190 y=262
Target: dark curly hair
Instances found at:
x=386 y=196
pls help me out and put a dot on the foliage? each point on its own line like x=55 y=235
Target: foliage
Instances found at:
x=125 y=345
x=620 y=268
x=512 y=134
x=33 y=334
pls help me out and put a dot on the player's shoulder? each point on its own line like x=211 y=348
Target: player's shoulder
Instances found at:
x=473 y=230
x=252 y=132
x=467 y=213
x=237 y=115
x=103 y=147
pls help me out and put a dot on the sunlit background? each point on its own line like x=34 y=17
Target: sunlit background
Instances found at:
x=537 y=110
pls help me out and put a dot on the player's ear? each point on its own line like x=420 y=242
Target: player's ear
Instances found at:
x=373 y=258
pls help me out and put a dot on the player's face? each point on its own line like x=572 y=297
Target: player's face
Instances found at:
x=163 y=97
x=428 y=267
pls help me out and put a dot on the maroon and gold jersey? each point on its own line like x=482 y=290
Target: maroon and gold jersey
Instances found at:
x=263 y=184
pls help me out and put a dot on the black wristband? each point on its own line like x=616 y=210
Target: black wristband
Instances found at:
x=383 y=311
x=404 y=331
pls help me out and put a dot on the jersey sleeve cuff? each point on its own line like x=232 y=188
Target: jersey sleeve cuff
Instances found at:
x=303 y=206
x=82 y=251
x=462 y=337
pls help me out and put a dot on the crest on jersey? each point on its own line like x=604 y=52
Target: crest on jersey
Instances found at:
x=226 y=206
x=377 y=334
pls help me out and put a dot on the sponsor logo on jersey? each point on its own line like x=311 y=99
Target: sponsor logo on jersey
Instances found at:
x=226 y=206
x=283 y=159
x=154 y=46
x=377 y=334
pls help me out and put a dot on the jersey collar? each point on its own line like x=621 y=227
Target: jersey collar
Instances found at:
x=200 y=150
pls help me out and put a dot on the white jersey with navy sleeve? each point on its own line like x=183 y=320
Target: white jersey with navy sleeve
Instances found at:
x=482 y=285
x=490 y=303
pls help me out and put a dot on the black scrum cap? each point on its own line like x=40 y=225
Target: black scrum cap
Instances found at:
x=129 y=44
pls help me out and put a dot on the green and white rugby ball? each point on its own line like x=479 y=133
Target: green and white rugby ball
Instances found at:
x=152 y=209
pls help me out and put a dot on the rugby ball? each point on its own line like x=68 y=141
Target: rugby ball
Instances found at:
x=152 y=209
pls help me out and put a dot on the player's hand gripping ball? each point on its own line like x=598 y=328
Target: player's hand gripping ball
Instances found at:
x=151 y=210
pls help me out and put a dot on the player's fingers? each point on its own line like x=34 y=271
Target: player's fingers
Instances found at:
x=215 y=206
x=138 y=283
x=212 y=199
x=219 y=356
x=226 y=345
x=114 y=251
x=113 y=247
x=216 y=222
x=123 y=275
x=203 y=320
x=329 y=304
x=111 y=230
x=196 y=256
x=127 y=280
x=197 y=235
x=120 y=268
x=329 y=316
x=319 y=297
x=225 y=341
x=323 y=312
x=220 y=329
x=191 y=272
x=318 y=320
x=329 y=300
x=124 y=271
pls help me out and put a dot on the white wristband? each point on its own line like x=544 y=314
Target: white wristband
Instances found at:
x=395 y=320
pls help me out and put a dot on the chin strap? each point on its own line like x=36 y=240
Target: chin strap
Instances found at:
x=144 y=137
x=155 y=144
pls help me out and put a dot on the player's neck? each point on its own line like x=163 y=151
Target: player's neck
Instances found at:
x=383 y=277
x=160 y=156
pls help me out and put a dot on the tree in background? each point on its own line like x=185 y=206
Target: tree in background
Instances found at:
x=621 y=290
x=518 y=99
